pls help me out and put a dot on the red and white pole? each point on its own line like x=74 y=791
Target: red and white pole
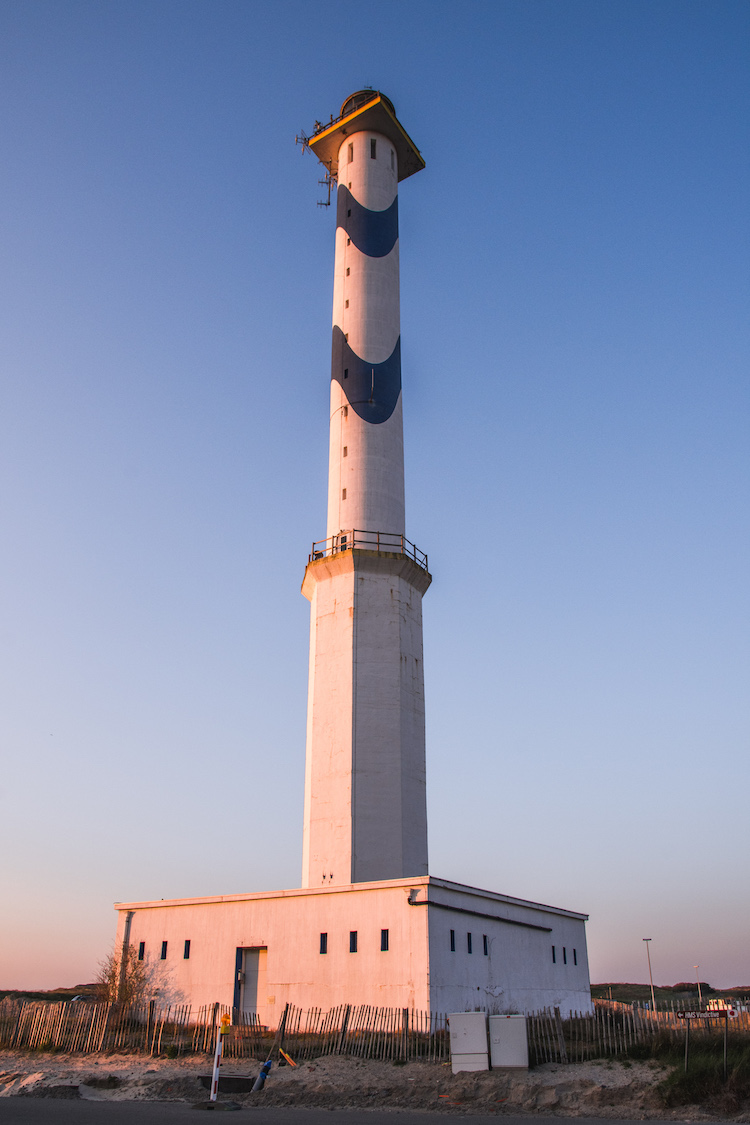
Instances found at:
x=225 y=1021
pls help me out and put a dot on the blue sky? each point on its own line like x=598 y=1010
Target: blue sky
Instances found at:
x=575 y=359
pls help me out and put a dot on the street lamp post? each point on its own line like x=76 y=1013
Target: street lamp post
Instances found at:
x=650 y=977
x=700 y=996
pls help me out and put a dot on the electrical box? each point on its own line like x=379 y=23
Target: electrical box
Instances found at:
x=509 y=1045
x=468 y=1032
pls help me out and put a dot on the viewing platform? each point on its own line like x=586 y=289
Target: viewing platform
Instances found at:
x=381 y=541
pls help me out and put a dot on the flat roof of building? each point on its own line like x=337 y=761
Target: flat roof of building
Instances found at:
x=426 y=881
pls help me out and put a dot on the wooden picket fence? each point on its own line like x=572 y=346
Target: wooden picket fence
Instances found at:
x=611 y=1029
x=358 y=1031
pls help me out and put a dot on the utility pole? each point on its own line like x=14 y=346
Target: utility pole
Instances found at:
x=700 y=996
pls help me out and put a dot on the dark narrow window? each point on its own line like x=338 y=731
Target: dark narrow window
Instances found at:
x=343 y=494
x=346 y=337
x=346 y=451
x=346 y=372
x=324 y=943
x=392 y=161
x=186 y=951
x=453 y=941
x=348 y=242
x=575 y=957
x=383 y=941
x=163 y=951
x=351 y=153
x=554 y=956
x=485 y=945
x=348 y=270
x=373 y=149
x=352 y=941
x=141 y=950
x=468 y=943
x=565 y=956
x=346 y=411
x=349 y=213
x=346 y=304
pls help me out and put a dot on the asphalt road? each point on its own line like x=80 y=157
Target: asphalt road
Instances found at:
x=54 y=1111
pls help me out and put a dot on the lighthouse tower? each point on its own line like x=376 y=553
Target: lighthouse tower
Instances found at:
x=369 y=926
x=365 y=813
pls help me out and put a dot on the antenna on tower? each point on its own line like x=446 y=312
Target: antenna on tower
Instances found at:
x=327 y=181
x=303 y=139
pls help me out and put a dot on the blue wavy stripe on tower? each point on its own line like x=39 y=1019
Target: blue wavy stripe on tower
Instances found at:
x=371 y=389
x=373 y=232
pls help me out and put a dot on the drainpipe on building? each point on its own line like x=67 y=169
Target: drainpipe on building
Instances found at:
x=124 y=955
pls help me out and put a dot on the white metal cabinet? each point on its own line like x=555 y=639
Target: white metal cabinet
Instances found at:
x=468 y=1041
x=509 y=1045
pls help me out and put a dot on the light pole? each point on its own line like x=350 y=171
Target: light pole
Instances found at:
x=650 y=977
x=700 y=997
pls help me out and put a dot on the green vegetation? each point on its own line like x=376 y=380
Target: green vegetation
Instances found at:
x=704 y=1082
x=85 y=991
x=685 y=990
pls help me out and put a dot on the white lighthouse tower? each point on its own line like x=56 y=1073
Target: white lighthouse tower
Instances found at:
x=365 y=813
x=369 y=926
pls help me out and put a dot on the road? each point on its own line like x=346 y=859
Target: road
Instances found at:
x=54 y=1111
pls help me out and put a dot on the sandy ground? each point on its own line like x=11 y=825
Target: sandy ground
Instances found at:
x=596 y=1089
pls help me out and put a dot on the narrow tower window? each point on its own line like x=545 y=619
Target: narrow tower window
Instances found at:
x=141 y=950
x=346 y=411
x=468 y=943
x=351 y=153
x=348 y=242
x=346 y=451
x=373 y=149
x=163 y=951
x=453 y=941
x=554 y=956
x=485 y=945
x=186 y=951
x=393 y=162
x=383 y=941
x=343 y=494
x=565 y=956
x=346 y=304
x=575 y=957
x=324 y=943
x=352 y=941
x=348 y=270
x=346 y=372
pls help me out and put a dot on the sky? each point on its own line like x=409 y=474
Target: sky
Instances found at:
x=575 y=346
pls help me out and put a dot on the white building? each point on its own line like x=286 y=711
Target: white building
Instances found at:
x=369 y=925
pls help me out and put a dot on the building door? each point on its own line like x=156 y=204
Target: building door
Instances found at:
x=252 y=991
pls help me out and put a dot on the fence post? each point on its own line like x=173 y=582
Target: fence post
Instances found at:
x=344 y=1026
x=560 y=1037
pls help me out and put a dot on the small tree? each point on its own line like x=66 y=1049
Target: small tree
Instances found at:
x=123 y=977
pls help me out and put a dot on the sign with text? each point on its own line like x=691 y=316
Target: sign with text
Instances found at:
x=720 y=1014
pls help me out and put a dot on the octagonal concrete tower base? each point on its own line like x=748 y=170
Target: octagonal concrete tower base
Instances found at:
x=365 y=808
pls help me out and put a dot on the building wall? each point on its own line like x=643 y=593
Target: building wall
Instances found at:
x=517 y=973
x=417 y=971
x=288 y=924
